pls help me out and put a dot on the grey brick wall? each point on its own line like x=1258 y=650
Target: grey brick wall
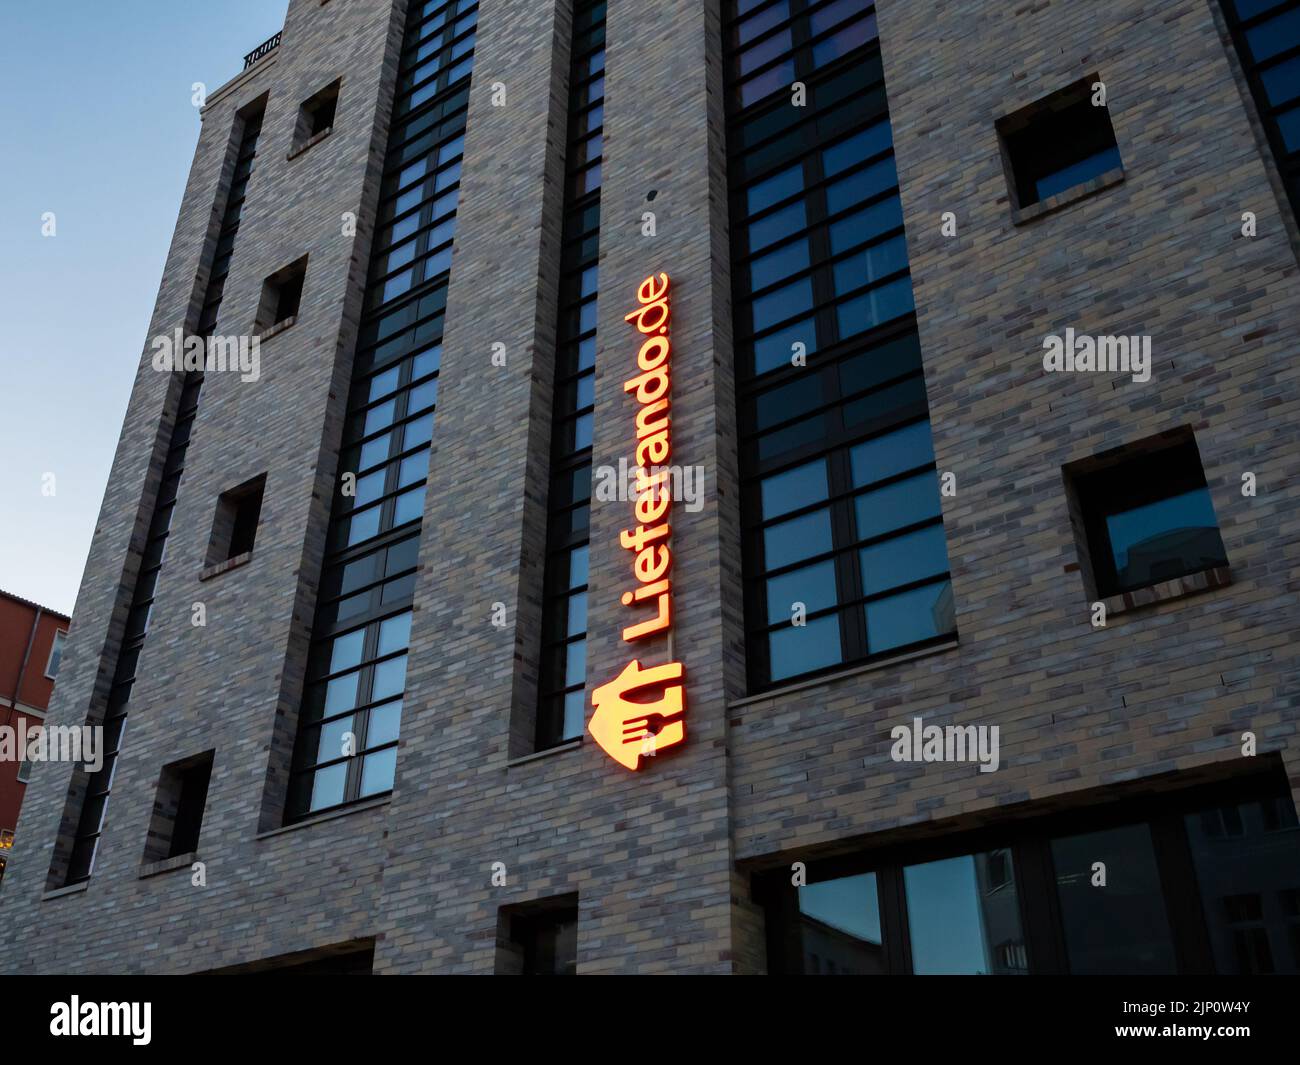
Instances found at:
x=660 y=859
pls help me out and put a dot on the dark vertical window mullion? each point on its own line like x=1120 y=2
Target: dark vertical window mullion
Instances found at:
x=1182 y=895
x=568 y=455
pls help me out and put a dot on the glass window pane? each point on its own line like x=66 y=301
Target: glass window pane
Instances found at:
x=782 y=263
x=862 y=185
x=1289 y=124
x=575 y=669
x=1165 y=539
x=777 y=226
x=1122 y=927
x=377 y=772
x=577 y=614
x=875 y=307
x=904 y=559
x=1248 y=869
x=327 y=786
x=871 y=264
x=1282 y=82
x=418 y=432
x=363 y=526
x=802 y=649
x=394 y=634
x=856 y=149
x=777 y=349
x=1274 y=36
x=1077 y=173
x=921 y=614
x=575 y=709
x=341 y=694
x=774 y=189
x=795 y=488
x=384 y=724
x=390 y=678
x=896 y=505
x=963 y=916
x=839 y=927
x=578 y=567
x=866 y=225
x=333 y=739
x=813 y=586
x=782 y=304
x=903 y=449
x=796 y=539
x=346 y=651
x=409 y=506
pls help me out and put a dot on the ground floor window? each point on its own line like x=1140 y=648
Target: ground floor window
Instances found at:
x=1195 y=880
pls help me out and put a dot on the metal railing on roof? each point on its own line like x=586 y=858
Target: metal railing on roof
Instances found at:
x=263 y=49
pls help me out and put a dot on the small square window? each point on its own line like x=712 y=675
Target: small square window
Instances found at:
x=1145 y=515
x=1058 y=144
x=56 y=654
x=316 y=117
x=234 y=528
x=281 y=297
x=539 y=938
x=178 y=808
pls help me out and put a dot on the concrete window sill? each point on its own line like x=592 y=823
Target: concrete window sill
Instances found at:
x=71 y=889
x=570 y=745
x=166 y=865
x=278 y=328
x=1024 y=215
x=218 y=568
x=845 y=674
x=332 y=815
x=310 y=142
x=1168 y=591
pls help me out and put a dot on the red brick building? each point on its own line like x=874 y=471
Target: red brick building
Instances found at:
x=31 y=644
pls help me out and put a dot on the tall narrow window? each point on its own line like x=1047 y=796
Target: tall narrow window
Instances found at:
x=563 y=671
x=1267 y=36
x=346 y=749
x=845 y=553
x=94 y=800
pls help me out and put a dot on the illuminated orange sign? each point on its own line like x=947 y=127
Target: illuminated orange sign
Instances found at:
x=626 y=730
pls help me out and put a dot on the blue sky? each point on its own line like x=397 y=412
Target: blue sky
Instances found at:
x=97 y=126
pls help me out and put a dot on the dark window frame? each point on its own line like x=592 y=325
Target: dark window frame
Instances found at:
x=1028 y=839
x=395 y=333
x=824 y=127
x=1133 y=476
x=568 y=531
x=1027 y=147
x=1286 y=160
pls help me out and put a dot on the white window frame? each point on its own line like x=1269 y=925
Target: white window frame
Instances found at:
x=60 y=638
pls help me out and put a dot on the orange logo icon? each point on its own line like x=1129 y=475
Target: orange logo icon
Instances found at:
x=627 y=730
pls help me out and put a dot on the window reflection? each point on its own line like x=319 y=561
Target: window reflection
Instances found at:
x=1119 y=925
x=1247 y=859
x=839 y=927
x=963 y=916
x=1165 y=539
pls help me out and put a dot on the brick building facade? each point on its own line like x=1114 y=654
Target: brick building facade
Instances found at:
x=31 y=649
x=1159 y=745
